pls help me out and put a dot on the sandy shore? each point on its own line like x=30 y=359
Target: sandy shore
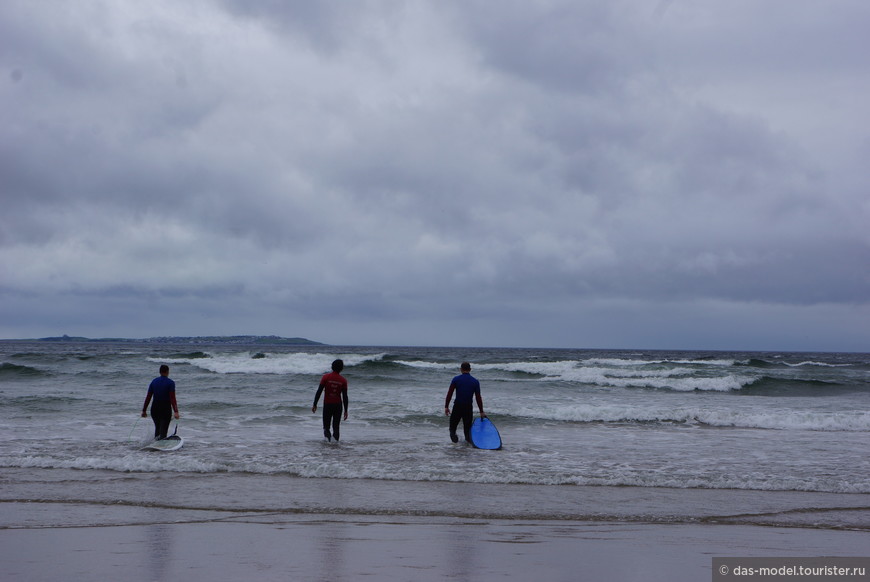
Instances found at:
x=103 y=525
x=168 y=544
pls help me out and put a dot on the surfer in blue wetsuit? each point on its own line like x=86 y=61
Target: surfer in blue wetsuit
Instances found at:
x=467 y=388
x=334 y=388
x=162 y=391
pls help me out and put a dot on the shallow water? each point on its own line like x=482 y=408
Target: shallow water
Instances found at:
x=777 y=422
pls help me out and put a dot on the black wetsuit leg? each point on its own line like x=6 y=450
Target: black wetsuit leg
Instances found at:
x=336 y=421
x=162 y=416
x=464 y=412
x=332 y=418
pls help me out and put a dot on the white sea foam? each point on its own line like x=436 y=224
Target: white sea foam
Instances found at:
x=555 y=370
x=680 y=379
x=823 y=421
x=670 y=379
x=856 y=421
x=271 y=363
x=818 y=364
x=154 y=461
x=506 y=468
x=627 y=362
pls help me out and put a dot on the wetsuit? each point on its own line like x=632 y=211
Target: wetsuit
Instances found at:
x=334 y=388
x=162 y=390
x=466 y=388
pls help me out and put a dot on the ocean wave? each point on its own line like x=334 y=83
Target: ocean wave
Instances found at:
x=817 y=364
x=31 y=403
x=676 y=379
x=8 y=370
x=855 y=421
x=612 y=373
x=190 y=356
x=558 y=367
x=153 y=462
x=424 y=365
x=678 y=375
x=762 y=363
x=270 y=363
x=772 y=385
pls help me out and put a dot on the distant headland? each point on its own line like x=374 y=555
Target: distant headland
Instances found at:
x=210 y=339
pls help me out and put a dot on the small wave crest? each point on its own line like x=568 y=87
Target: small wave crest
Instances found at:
x=139 y=462
x=190 y=356
x=857 y=421
x=8 y=370
x=771 y=385
x=817 y=364
x=31 y=403
x=315 y=467
x=762 y=363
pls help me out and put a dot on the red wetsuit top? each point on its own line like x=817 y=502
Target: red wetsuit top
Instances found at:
x=334 y=387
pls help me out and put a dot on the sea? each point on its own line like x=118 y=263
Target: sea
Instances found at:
x=587 y=434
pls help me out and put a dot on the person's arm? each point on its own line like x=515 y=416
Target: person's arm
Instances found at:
x=344 y=398
x=316 y=398
x=145 y=406
x=480 y=405
x=174 y=404
x=447 y=400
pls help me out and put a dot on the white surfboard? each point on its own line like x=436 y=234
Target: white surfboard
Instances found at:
x=172 y=443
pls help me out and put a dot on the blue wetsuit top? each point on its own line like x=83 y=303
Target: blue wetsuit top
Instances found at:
x=466 y=387
x=162 y=388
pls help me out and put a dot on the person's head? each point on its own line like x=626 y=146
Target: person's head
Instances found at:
x=337 y=366
x=465 y=367
x=164 y=370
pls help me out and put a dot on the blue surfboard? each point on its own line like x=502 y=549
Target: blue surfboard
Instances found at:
x=484 y=435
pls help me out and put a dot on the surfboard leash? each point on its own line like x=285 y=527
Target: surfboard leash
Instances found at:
x=130 y=436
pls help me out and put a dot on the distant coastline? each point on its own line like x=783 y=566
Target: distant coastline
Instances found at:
x=220 y=339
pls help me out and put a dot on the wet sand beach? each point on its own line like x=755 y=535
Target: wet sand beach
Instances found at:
x=144 y=528
x=334 y=547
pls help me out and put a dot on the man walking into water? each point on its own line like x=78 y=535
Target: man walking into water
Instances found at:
x=466 y=388
x=334 y=387
x=162 y=390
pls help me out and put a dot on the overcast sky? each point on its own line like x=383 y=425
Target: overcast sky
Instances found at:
x=625 y=174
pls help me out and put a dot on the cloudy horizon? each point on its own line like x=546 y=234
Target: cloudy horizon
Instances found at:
x=670 y=174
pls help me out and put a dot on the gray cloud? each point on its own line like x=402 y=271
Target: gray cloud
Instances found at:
x=533 y=174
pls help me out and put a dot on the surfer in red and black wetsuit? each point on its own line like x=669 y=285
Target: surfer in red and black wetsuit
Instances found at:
x=162 y=389
x=334 y=387
x=467 y=388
